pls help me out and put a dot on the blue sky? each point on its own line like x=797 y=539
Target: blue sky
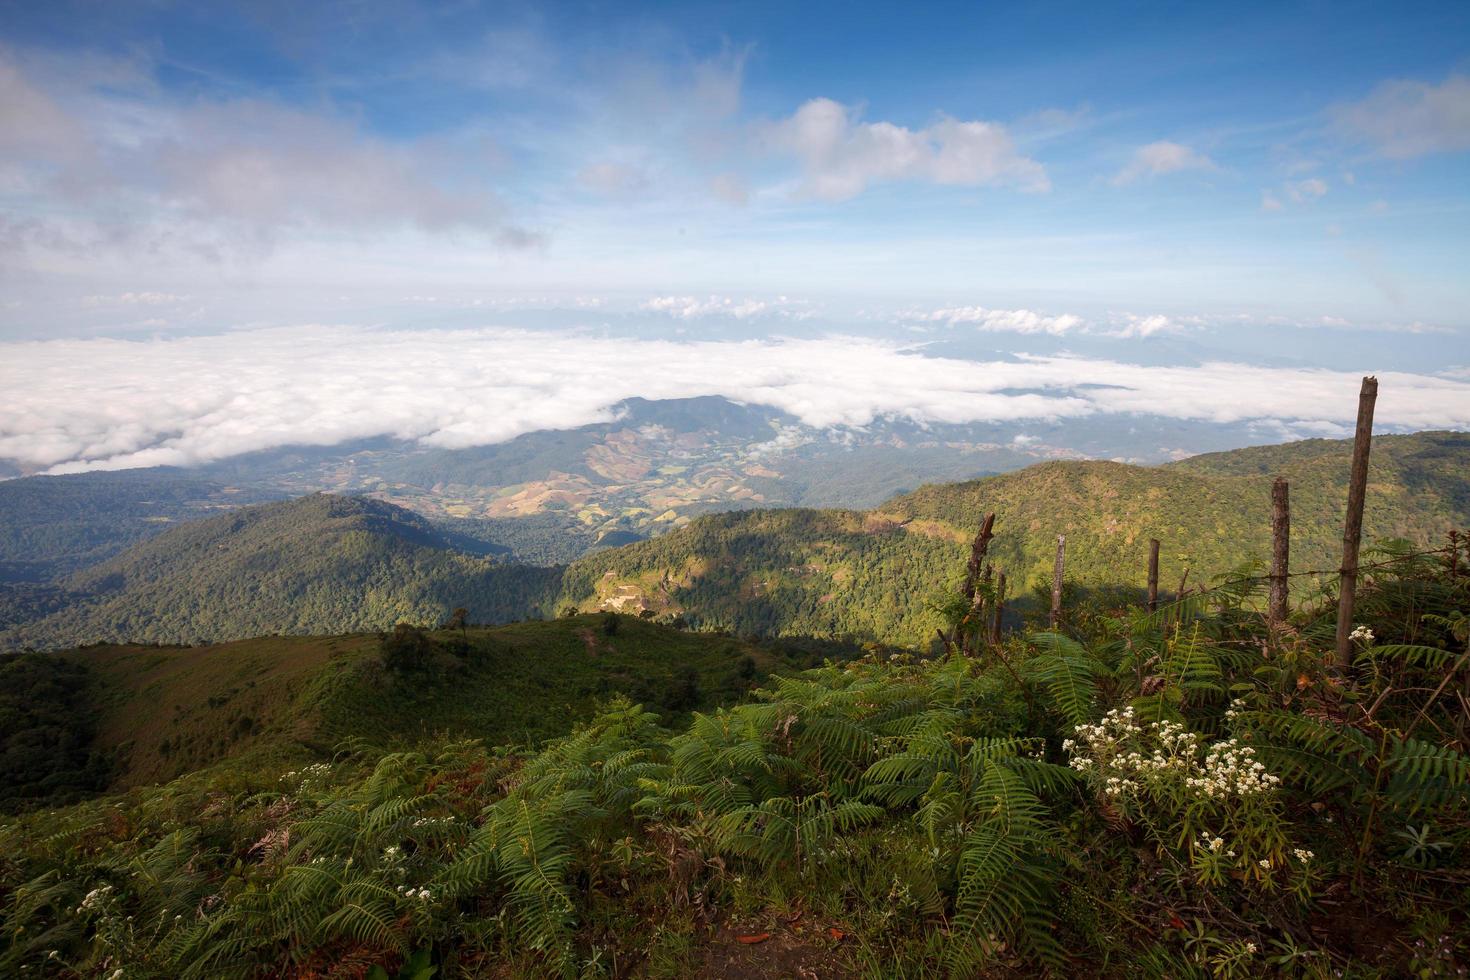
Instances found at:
x=1156 y=184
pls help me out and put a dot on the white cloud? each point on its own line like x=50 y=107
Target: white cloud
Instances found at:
x=143 y=298
x=1121 y=325
x=691 y=307
x=108 y=164
x=1133 y=325
x=614 y=179
x=75 y=404
x=1296 y=191
x=730 y=188
x=1162 y=157
x=842 y=156
x=1403 y=119
x=1310 y=189
x=1008 y=321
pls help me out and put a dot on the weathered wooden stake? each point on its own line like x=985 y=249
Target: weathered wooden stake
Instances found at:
x=978 y=548
x=1153 y=574
x=1056 y=581
x=1352 y=529
x=1280 y=552
x=999 y=610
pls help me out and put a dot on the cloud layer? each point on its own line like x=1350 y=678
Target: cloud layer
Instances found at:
x=102 y=403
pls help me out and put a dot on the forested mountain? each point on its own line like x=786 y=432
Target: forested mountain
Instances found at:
x=879 y=574
x=51 y=526
x=317 y=564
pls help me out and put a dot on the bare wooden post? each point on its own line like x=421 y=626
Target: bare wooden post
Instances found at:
x=1280 y=552
x=1352 y=529
x=1153 y=574
x=1056 y=581
x=978 y=548
x=998 y=611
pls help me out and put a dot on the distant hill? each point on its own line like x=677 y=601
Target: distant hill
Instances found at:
x=877 y=574
x=51 y=526
x=317 y=564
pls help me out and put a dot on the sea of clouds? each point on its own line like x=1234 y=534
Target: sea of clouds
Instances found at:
x=79 y=404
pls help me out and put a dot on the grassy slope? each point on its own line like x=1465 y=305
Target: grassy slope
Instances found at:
x=165 y=711
x=317 y=564
x=875 y=575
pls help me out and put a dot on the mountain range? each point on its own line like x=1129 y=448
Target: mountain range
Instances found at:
x=551 y=496
x=325 y=563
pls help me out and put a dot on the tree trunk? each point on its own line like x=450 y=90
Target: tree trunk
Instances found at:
x=1153 y=574
x=1280 y=552
x=1056 y=581
x=978 y=549
x=999 y=610
x=1352 y=529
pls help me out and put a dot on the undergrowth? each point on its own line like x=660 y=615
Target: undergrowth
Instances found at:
x=1182 y=793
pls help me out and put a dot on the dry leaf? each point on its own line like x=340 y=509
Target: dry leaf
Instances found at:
x=759 y=937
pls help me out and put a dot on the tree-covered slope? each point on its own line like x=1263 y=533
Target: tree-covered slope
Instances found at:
x=51 y=526
x=318 y=564
x=877 y=574
x=152 y=713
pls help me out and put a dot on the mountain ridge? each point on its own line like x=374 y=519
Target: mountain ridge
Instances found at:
x=316 y=564
x=326 y=563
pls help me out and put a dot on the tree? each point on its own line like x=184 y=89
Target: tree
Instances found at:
x=407 y=649
x=459 y=620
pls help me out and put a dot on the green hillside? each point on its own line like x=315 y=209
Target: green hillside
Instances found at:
x=317 y=564
x=1190 y=793
x=155 y=713
x=878 y=574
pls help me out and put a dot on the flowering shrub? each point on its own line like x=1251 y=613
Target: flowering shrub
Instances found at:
x=1215 y=803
